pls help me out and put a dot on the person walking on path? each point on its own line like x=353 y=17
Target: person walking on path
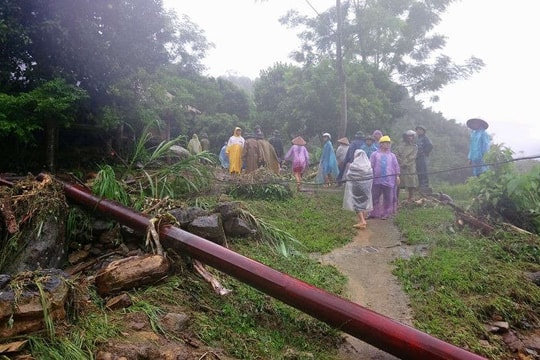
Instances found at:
x=385 y=180
x=194 y=145
x=357 y=195
x=341 y=153
x=424 y=149
x=234 y=149
x=356 y=144
x=328 y=167
x=205 y=143
x=406 y=155
x=299 y=157
x=251 y=155
x=276 y=142
x=478 y=145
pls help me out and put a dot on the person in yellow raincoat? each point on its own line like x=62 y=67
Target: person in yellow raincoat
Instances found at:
x=235 y=145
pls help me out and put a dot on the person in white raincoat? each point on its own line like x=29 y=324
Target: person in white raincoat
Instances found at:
x=359 y=180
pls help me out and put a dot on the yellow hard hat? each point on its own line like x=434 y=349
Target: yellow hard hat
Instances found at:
x=385 y=138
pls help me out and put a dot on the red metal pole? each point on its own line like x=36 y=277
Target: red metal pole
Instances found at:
x=378 y=330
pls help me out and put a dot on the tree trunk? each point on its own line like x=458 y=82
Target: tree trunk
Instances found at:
x=51 y=144
x=342 y=128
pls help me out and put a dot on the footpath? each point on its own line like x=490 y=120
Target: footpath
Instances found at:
x=366 y=262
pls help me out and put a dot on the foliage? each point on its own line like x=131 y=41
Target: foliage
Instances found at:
x=21 y=115
x=93 y=43
x=306 y=101
x=260 y=191
x=394 y=36
x=502 y=193
x=107 y=186
x=466 y=282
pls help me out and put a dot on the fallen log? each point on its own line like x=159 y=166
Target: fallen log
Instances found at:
x=485 y=228
x=130 y=273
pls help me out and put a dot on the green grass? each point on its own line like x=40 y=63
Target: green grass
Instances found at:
x=247 y=323
x=467 y=281
x=316 y=220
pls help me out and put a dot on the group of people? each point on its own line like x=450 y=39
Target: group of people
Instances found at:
x=373 y=181
x=250 y=151
x=371 y=170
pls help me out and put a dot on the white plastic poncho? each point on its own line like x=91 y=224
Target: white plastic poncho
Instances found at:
x=359 y=179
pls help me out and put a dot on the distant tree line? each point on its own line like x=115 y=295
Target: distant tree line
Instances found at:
x=78 y=75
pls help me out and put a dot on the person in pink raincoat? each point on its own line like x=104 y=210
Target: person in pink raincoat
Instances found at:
x=299 y=157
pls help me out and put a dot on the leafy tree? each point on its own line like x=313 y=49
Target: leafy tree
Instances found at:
x=48 y=107
x=304 y=101
x=394 y=36
x=93 y=43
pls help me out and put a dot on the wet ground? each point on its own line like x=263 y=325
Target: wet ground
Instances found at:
x=366 y=261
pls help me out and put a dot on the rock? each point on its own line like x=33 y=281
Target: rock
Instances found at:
x=186 y=216
x=534 y=277
x=502 y=325
x=174 y=322
x=208 y=227
x=532 y=343
x=512 y=341
x=119 y=302
x=21 y=310
x=237 y=227
x=180 y=151
x=45 y=250
x=228 y=210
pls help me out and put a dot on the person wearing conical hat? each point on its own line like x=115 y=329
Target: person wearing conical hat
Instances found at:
x=299 y=157
x=479 y=144
x=234 y=149
x=341 y=153
x=385 y=180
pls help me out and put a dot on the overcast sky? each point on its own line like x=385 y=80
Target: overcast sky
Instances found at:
x=249 y=38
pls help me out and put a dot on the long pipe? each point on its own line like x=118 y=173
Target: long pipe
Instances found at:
x=378 y=330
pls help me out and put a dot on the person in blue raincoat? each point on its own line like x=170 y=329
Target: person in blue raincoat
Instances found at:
x=223 y=157
x=328 y=166
x=479 y=145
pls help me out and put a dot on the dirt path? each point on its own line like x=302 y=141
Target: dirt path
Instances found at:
x=366 y=263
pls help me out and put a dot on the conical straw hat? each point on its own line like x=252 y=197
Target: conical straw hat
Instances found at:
x=343 y=141
x=298 y=141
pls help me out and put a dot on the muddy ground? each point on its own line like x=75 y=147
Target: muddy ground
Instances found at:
x=366 y=262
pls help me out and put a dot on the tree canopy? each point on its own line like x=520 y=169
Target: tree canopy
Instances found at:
x=395 y=36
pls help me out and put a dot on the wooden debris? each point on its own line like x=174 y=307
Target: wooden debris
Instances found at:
x=216 y=285
x=485 y=228
x=131 y=272
x=12 y=347
x=8 y=215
